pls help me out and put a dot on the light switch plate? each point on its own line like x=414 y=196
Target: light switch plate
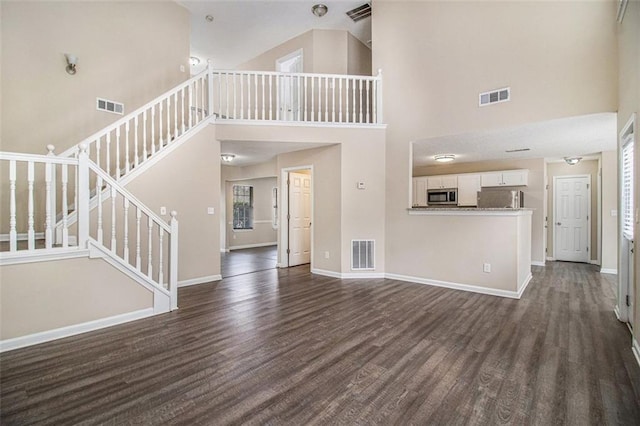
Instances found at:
x=163 y=210
x=361 y=185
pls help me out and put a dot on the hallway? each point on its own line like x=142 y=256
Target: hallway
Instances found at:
x=245 y=261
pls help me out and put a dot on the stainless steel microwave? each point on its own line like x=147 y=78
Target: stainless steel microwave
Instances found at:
x=442 y=197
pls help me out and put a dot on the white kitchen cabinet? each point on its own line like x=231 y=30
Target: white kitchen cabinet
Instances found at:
x=468 y=187
x=419 y=192
x=442 y=182
x=505 y=178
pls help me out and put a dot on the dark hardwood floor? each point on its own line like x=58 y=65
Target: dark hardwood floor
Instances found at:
x=245 y=261
x=287 y=347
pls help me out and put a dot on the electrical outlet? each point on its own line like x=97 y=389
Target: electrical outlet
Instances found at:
x=326 y=254
x=163 y=210
x=182 y=69
x=486 y=267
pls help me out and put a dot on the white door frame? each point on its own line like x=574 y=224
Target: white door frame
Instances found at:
x=621 y=309
x=553 y=197
x=283 y=258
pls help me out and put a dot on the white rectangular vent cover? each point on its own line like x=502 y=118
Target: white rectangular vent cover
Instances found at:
x=495 y=96
x=109 y=106
x=360 y=12
x=363 y=254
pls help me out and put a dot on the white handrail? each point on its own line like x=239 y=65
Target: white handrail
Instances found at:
x=300 y=74
x=37 y=158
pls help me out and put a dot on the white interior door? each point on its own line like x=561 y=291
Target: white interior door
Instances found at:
x=571 y=219
x=299 y=218
x=289 y=86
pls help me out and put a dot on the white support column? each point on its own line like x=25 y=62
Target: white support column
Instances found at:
x=83 y=197
x=173 y=261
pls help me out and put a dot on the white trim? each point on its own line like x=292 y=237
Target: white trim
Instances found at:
x=199 y=280
x=326 y=273
x=537 y=263
x=551 y=259
x=594 y=262
x=356 y=275
x=635 y=348
x=616 y=311
x=608 y=271
x=224 y=250
x=41 y=255
x=21 y=237
x=220 y=121
x=464 y=287
x=461 y=211
x=623 y=280
x=72 y=330
x=262 y=221
x=246 y=246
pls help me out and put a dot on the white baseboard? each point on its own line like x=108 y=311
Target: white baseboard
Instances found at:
x=635 y=348
x=348 y=275
x=608 y=271
x=616 y=310
x=326 y=273
x=463 y=287
x=594 y=262
x=551 y=259
x=72 y=330
x=223 y=250
x=538 y=263
x=246 y=246
x=4 y=238
x=522 y=287
x=199 y=280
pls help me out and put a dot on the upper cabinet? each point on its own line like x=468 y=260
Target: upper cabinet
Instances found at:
x=442 y=182
x=468 y=187
x=419 y=192
x=505 y=178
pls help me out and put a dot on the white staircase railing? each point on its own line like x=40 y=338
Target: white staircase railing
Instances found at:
x=149 y=251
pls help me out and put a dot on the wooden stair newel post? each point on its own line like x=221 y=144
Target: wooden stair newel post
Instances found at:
x=173 y=261
x=83 y=196
x=379 y=97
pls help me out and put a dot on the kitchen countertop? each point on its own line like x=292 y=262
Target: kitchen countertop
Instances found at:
x=468 y=211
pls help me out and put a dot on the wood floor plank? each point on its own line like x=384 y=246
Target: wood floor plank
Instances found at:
x=288 y=347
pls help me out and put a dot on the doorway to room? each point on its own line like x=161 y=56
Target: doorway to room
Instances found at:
x=296 y=216
x=289 y=86
x=571 y=218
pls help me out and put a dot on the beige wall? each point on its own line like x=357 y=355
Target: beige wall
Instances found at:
x=437 y=56
x=359 y=57
x=629 y=102
x=609 y=256
x=263 y=231
x=585 y=167
x=533 y=193
x=128 y=52
x=36 y=297
x=188 y=181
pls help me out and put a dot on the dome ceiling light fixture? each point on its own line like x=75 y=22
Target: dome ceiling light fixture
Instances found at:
x=319 y=10
x=227 y=158
x=572 y=161
x=444 y=158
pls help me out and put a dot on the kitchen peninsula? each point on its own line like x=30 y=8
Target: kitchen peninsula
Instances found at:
x=484 y=250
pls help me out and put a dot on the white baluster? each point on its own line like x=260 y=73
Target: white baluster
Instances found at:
x=346 y=97
x=299 y=116
x=264 y=117
x=278 y=77
x=98 y=152
x=313 y=90
x=108 y=170
x=360 y=112
x=117 y=177
x=173 y=261
x=48 y=221
x=113 y=219
x=183 y=116
x=219 y=76
x=150 y=234
x=13 y=233
x=153 y=130
x=144 y=136
x=368 y=99
x=125 y=224
x=160 y=115
x=379 y=97
x=255 y=80
x=374 y=101
x=209 y=106
x=326 y=99
x=136 y=160
x=99 y=194
x=168 y=139
x=353 y=89
x=333 y=99
x=160 y=265
x=248 y=96
x=270 y=97
x=31 y=234
x=235 y=97
x=126 y=152
x=305 y=98
x=190 y=105
x=84 y=196
x=65 y=205
x=138 y=216
x=340 y=101
x=227 y=92
x=202 y=98
x=175 y=115
x=241 y=96
x=290 y=112
x=53 y=195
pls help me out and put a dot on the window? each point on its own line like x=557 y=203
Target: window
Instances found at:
x=242 y=207
x=627 y=188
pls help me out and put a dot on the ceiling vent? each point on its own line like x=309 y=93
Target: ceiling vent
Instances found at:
x=109 y=106
x=518 y=150
x=495 y=96
x=363 y=255
x=360 y=12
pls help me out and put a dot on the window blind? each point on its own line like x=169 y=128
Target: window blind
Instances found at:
x=627 y=188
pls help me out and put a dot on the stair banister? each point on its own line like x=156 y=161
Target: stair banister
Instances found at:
x=83 y=196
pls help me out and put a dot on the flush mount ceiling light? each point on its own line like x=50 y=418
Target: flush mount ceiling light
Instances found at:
x=444 y=158
x=227 y=158
x=320 y=10
x=209 y=18
x=572 y=161
x=194 y=61
x=72 y=61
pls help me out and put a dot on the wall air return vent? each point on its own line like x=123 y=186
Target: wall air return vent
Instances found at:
x=109 y=106
x=360 y=12
x=363 y=254
x=495 y=96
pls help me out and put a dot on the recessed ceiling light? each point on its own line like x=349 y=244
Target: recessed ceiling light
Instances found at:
x=194 y=61
x=227 y=158
x=209 y=18
x=444 y=158
x=319 y=10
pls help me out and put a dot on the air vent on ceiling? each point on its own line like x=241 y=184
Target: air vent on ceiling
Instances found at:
x=363 y=254
x=360 y=12
x=495 y=96
x=518 y=150
x=109 y=106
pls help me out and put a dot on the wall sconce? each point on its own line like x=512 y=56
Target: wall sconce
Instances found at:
x=319 y=10
x=572 y=161
x=72 y=60
x=227 y=158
